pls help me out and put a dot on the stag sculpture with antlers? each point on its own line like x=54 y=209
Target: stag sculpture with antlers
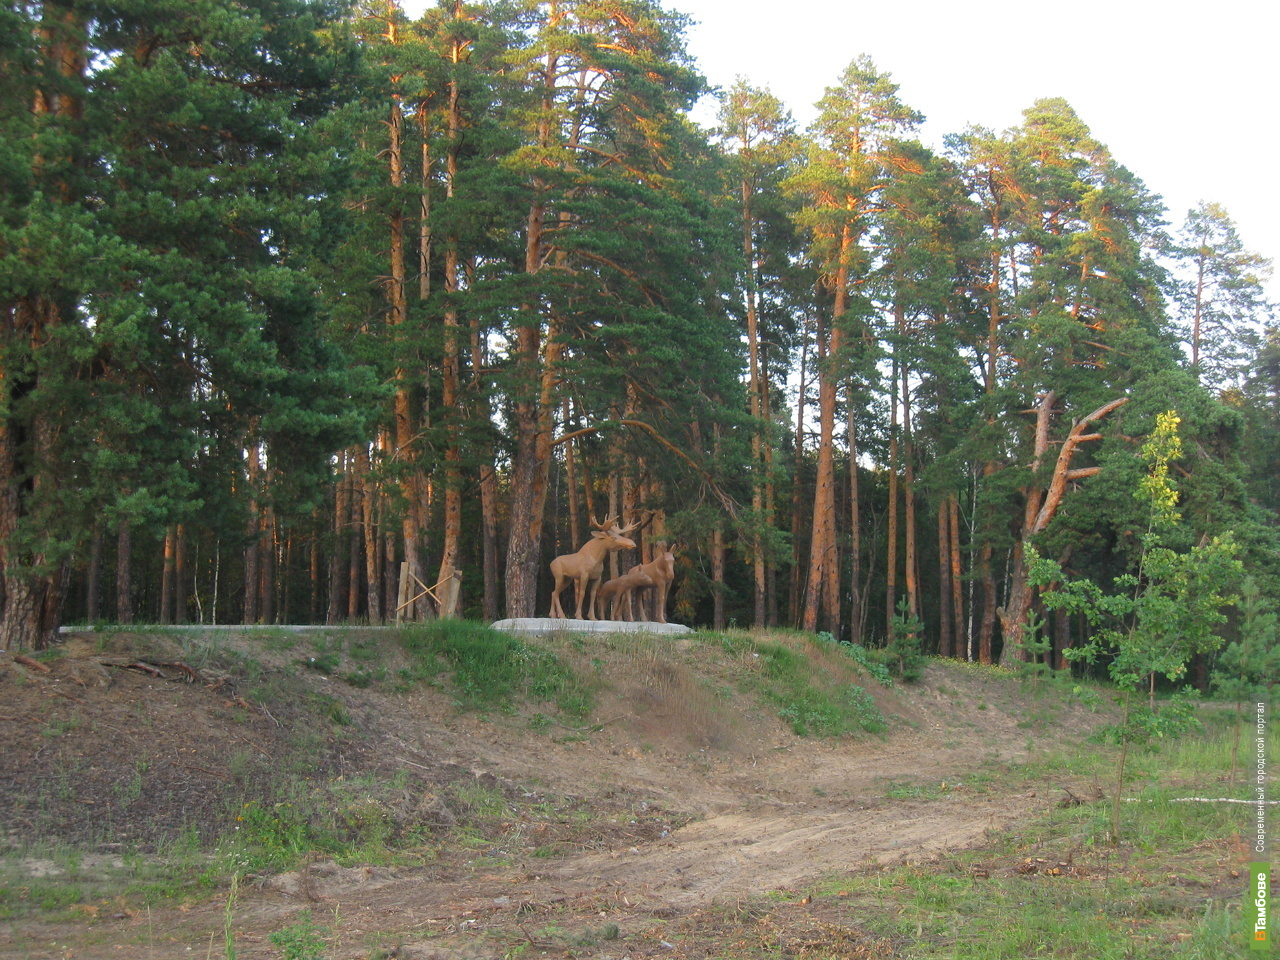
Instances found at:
x=586 y=567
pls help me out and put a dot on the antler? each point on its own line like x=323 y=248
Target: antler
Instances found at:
x=609 y=522
x=629 y=527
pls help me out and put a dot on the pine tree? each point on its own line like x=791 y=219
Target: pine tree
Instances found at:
x=1220 y=294
x=852 y=140
x=157 y=219
x=760 y=134
x=610 y=237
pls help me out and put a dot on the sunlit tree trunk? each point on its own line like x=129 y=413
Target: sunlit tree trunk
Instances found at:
x=857 y=614
x=166 y=575
x=909 y=497
x=824 y=561
x=891 y=553
x=450 y=377
x=957 y=590
x=797 y=498
x=944 y=581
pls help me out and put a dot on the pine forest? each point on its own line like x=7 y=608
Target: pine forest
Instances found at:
x=303 y=302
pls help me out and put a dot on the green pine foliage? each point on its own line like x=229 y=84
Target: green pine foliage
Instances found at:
x=280 y=280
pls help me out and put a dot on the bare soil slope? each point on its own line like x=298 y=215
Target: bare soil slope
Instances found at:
x=677 y=797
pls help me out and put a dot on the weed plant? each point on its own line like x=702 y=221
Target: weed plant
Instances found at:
x=301 y=940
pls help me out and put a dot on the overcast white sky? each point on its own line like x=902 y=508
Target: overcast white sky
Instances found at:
x=1184 y=94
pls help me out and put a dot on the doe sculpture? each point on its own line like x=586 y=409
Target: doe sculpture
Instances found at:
x=661 y=570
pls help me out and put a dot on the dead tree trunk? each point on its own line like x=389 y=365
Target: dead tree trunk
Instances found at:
x=1041 y=504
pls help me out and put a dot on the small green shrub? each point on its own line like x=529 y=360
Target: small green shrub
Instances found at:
x=903 y=651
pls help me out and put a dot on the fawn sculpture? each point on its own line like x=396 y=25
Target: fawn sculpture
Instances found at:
x=586 y=567
x=619 y=590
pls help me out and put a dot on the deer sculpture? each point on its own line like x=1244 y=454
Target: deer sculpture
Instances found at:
x=619 y=590
x=661 y=570
x=586 y=567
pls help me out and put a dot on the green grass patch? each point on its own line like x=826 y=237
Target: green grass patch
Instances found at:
x=1057 y=886
x=806 y=694
x=488 y=669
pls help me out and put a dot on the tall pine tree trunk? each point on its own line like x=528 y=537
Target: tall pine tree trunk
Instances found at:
x=337 y=568
x=124 y=572
x=313 y=577
x=857 y=615
x=93 y=586
x=267 y=546
x=944 y=581
x=986 y=552
x=755 y=393
x=957 y=591
x=252 y=538
x=797 y=494
x=180 y=612
x=909 y=495
x=891 y=561
x=717 y=577
x=367 y=491
x=413 y=488
x=824 y=558
x=823 y=561
x=32 y=588
x=166 y=575
x=770 y=503
x=536 y=372
x=450 y=367
x=488 y=486
x=355 y=543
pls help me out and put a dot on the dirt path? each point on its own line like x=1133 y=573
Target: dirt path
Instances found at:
x=770 y=831
x=775 y=818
